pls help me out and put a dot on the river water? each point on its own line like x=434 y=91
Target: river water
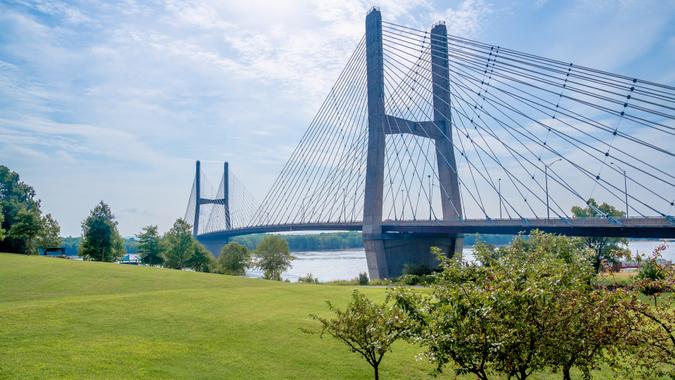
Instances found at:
x=347 y=264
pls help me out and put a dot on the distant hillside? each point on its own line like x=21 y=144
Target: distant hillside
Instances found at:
x=309 y=242
x=347 y=240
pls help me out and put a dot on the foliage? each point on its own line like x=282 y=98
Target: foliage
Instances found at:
x=26 y=228
x=2 y=230
x=17 y=205
x=178 y=245
x=363 y=278
x=519 y=309
x=201 y=260
x=366 y=328
x=273 y=257
x=234 y=259
x=50 y=232
x=148 y=246
x=655 y=278
x=313 y=242
x=72 y=244
x=346 y=240
x=647 y=350
x=309 y=279
x=607 y=249
x=101 y=240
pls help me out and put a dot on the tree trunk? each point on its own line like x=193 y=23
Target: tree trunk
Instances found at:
x=523 y=374
x=377 y=371
x=566 y=373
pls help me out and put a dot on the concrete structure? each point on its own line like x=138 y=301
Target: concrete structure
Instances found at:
x=199 y=200
x=387 y=253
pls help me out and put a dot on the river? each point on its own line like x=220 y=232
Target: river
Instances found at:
x=347 y=264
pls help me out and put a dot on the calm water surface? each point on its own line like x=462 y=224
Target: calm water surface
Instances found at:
x=347 y=264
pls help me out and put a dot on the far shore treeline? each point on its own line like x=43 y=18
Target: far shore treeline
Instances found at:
x=298 y=243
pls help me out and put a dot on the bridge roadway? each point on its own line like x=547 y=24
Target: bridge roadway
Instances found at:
x=650 y=227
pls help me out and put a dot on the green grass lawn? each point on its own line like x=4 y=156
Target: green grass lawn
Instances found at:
x=69 y=319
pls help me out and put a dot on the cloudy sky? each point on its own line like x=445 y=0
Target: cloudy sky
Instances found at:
x=115 y=100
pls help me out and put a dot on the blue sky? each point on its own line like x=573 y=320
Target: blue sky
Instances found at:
x=115 y=100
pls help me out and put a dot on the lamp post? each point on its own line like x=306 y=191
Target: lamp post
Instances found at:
x=344 y=204
x=625 y=185
x=548 y=209
x=499 y=193
x=430 y=190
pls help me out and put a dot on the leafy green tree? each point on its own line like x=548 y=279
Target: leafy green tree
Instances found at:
x=234 y=259
x=609 y=249
x=178 y=245
x=50 y=234
x=655 y=278
x=26 y=229
x=2 y=230
x=201 y=260
x=101 y=240
x=365 y=327
x=273 y=257
x=148 y=246
x=519 y=309
x=15 y=196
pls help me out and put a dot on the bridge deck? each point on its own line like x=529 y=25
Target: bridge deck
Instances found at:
x=652 y=227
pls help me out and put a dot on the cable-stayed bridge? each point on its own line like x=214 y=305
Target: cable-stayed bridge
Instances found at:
x=426 y=136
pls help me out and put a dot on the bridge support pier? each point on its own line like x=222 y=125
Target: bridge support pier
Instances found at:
x=387 y=254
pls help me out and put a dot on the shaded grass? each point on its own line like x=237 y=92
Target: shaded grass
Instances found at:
x=70 y=319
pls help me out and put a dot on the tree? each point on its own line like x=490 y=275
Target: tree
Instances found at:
x=201 y=260
x=148 y=246
x=609 y=249
x=273 y=257
x=26 y=229
x=15 y=196
x=50 y=234
x=2 y=231
x=655 y=278
x=366 y=328
x=234 y=259
x=178 y=245
x=519 y=309
x=101 y=240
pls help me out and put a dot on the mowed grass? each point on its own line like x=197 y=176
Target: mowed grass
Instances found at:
x=62 y=318
x=69 y=319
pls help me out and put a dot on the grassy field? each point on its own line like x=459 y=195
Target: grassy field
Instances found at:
x=70 y=319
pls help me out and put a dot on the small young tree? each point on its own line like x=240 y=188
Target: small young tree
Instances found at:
x=26 y=229
x=49 y=235
x=201 y=260
x=148 y=246
x=609 y=249
x=273 y=257
x=366 y=328
x=178 y=245
x=101 y=240
x=234 y=259
x=654 y=278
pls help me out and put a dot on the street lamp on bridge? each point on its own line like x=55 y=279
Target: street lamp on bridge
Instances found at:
x=499 y=193
x=625 y=184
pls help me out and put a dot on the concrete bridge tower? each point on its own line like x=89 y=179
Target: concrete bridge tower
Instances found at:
x=388 y=253
x=224 y=201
